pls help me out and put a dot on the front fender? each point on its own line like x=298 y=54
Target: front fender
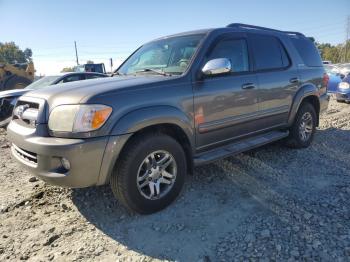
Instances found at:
x=145 y=117
x=303 y=92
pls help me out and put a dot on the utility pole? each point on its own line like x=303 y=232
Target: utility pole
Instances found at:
x=76 y=52
x=347 y=39
x=111 y=63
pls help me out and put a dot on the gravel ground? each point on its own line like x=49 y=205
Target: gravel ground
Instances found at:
x=273 y=203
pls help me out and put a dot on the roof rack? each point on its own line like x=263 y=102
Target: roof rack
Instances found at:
x=239 y=25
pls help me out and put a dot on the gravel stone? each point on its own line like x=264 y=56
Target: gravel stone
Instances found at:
x=269 y=204
x=33 y=179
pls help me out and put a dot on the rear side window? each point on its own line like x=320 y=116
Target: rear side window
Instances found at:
x=307 y=51
x=92 y=76
x=235 y=50
x=71 y=78
x=269 y=53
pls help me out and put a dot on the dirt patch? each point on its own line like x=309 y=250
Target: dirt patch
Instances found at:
x=271 y=203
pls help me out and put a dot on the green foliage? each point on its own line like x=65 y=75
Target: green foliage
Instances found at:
x=11 y=53
x=335 y=53
x=67 y=69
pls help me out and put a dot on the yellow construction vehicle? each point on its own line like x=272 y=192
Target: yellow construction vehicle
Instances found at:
x=14 y=76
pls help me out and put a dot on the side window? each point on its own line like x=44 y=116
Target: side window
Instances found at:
x=307 y=50
x=235 y=50
x=71 y=78
x=92 y=76
x=268 y=53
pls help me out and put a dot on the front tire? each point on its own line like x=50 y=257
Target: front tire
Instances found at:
x=303 y=130
x=150 y=173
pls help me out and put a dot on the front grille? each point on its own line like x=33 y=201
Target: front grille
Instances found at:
x=27 y=156
x=31 y=104
x=26 y=113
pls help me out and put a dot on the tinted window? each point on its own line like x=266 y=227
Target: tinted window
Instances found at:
x=71 y=78
x=307 y=51
x=94 y=68
x=268 y=53
x=92 y=76
x=235 y=50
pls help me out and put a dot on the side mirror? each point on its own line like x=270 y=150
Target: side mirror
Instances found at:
x=217 y=66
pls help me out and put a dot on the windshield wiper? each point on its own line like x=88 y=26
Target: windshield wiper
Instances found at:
x=159 y=72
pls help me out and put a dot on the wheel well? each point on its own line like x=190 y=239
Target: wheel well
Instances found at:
x=313 y=100
x=175 y=132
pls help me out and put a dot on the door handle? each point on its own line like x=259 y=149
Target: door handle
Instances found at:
x=248 y=86
x=294 y=80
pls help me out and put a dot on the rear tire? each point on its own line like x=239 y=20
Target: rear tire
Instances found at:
x=303 y=130
x=137 y=172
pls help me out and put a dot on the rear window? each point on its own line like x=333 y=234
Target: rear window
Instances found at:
x=269 y=53
x=307 y=51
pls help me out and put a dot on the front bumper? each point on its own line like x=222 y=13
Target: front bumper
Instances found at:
x=90 y=163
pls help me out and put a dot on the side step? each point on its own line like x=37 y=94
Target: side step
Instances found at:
x=239 y=147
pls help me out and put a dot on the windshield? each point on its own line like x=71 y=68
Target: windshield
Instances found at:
x=170 y=55
x=42 y=82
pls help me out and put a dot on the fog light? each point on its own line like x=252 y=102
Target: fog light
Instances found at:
x=65 y=163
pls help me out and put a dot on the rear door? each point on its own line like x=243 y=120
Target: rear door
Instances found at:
x=225 y=106
x=277 y=77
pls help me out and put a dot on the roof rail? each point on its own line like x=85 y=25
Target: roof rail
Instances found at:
x=237 y=25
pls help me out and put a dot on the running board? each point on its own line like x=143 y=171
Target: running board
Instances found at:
x=239 y=147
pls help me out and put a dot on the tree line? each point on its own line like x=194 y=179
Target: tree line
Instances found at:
x=10 y=53
x=335 y=53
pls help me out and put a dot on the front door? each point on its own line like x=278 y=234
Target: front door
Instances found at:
x=226 y=105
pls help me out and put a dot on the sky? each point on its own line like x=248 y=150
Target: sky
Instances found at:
x=113 y=29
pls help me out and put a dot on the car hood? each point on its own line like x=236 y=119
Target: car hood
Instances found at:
x=83 y=91
x=14 y=93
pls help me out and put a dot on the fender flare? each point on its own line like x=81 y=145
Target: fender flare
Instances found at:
x=305 y=91
x=155 y=115
x=134 y=121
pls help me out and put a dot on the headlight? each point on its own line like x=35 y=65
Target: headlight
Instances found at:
x=78 y=118
x=344 y=85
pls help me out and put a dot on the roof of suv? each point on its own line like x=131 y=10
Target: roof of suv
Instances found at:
x=236 y=26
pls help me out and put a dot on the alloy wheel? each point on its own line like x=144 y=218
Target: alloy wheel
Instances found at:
x=306 y=127
x=156 y=175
